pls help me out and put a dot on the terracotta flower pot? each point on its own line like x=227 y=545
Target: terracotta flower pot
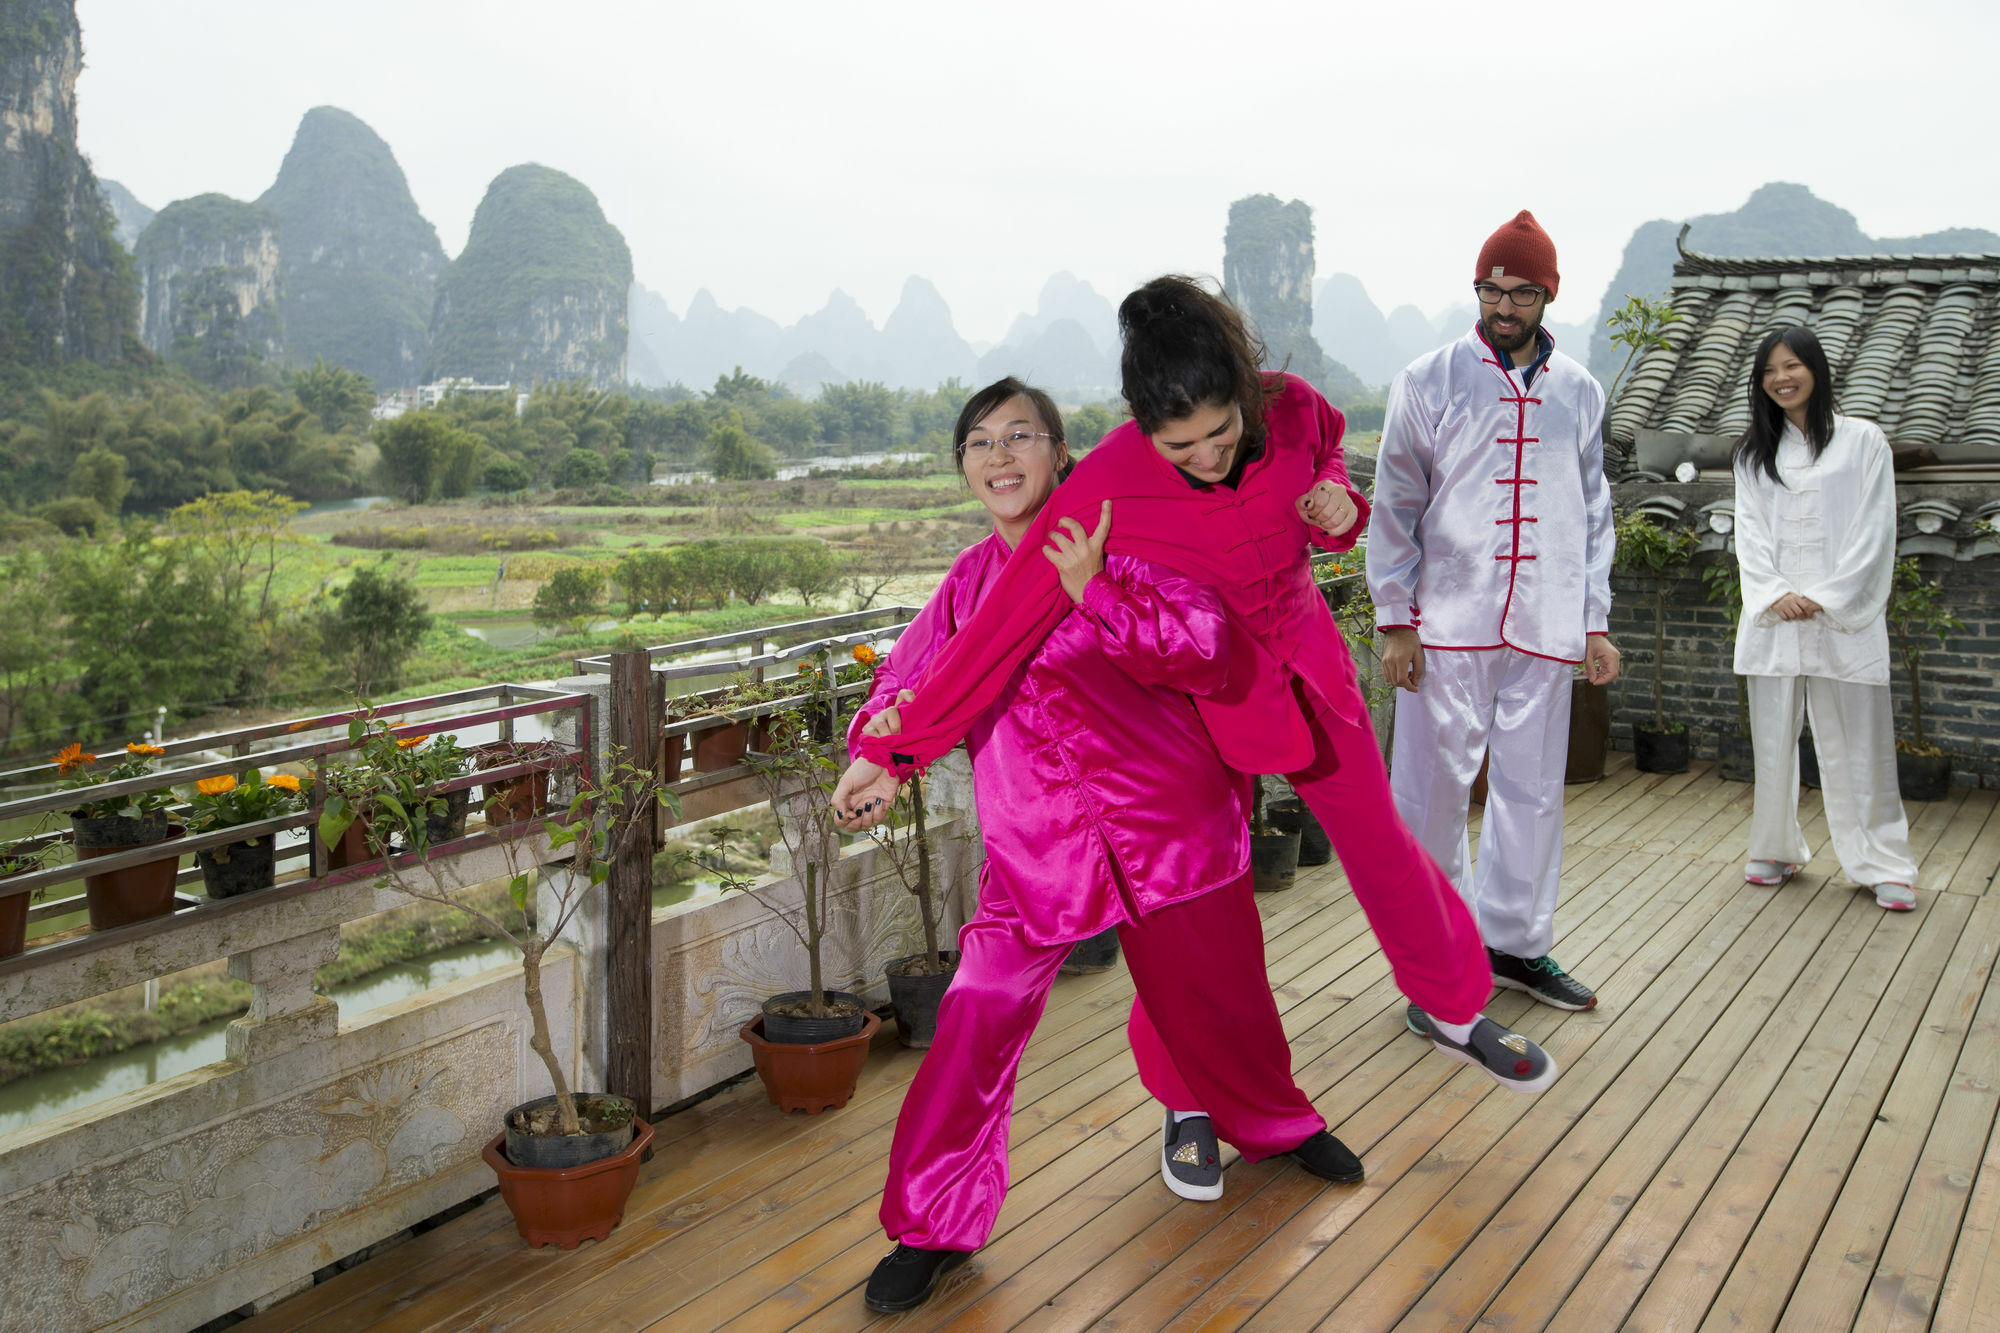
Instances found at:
x=351 y=850
x=515 y=800
x=136 y=893
x=672 y=748
x=810 y=1078
x=565 y=1206
x=720 y=747
x=13 y=920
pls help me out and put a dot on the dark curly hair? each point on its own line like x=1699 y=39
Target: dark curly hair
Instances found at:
x=1187 y=348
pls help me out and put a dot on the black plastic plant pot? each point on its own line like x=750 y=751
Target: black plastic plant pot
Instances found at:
x=1274 y=860
x=798 y=1029
x=1099 y=953
x=120 y=830
x=600 y=1115
x=1735 y=757
x=1291 y=815
x=238 y=867
x=1808 y=761
x=1923 y=777
x=1660 y=751
x=444 y=825
x=916 y=996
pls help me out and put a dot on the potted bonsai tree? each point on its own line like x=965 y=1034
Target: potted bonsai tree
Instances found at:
x=223 y=802
x=808 y=1046
x=566 y=1162
x=917 y=982
x=1663 y=553
x=1734 y=757
x=1917 y=612
x=110 y=825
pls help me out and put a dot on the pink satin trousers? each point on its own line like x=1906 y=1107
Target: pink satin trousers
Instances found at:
x=1198 y=966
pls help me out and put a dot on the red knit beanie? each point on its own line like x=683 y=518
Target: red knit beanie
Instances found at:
x=1520 y=249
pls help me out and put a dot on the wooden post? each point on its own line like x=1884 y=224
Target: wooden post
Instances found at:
x=629 y=913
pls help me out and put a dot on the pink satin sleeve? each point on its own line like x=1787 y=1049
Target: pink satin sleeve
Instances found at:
x=1330 y=464
x=1159 y=628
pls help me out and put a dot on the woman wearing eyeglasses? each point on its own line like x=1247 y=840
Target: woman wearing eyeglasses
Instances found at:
x=1102 y=803
x=1816 y=549
x=1230 y=475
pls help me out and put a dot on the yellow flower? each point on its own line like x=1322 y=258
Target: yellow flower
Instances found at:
x=70 y=758
x=864 y=654
x=282 y=781
x=221 y=786
x=148 y=751
x=300 y=725
x=410 y=742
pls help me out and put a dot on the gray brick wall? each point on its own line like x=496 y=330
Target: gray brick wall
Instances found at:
x=1961 y=682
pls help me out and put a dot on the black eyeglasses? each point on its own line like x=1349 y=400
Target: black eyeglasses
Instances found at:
x=1521 y=298
x=1012 y=444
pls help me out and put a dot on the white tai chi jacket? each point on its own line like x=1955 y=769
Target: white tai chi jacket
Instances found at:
x=1492 y=519
x=1828 y=533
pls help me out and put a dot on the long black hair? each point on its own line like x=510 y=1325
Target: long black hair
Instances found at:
x=1188 y=348
x=1758 y=449
x=996 y=393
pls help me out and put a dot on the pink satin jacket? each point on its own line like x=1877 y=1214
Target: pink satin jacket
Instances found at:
x=1249 y=544
x=1101 y=796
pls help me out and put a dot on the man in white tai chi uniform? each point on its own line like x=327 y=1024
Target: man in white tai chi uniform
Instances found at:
x=1489 y=562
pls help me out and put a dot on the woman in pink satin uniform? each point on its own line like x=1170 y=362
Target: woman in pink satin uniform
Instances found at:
x=1102 y=802
x=1229 y=475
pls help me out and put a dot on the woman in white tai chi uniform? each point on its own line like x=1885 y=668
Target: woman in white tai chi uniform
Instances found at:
x=1816 y=546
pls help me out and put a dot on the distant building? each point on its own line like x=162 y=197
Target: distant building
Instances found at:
x=389 y=406
x=430 y=395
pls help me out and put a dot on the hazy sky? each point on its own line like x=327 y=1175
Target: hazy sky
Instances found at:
x=774 y=151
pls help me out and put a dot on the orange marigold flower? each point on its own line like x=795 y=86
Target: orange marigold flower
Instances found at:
x=864 y=654
x=300 y=725
x=221 y=786
x=410 y=742
x=71 y=757
x=282 y=781
x=140 y=748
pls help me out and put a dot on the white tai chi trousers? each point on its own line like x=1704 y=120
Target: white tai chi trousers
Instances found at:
x=1513 y=708
x=1854 y=736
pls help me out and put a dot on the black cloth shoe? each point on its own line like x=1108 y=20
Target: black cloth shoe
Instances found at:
x=1542 y=978
x=1417 y=1021
x=907 y=1276
x=1328 y=1158
x=1191 y=1159
x=1508 y=1058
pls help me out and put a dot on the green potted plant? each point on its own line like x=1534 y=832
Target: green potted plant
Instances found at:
x=918 y=981
x=1917 y=612
x=1734 y=756
x=566 y=1162
x=108 y=826
x=808 y=1046
x=1648 y=547
x=396 y=786
x=223 y=802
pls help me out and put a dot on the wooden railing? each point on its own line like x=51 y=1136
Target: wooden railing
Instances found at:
x=307 y=854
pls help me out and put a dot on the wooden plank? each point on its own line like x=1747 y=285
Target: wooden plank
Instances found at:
x=1941 y=863
x=1971 y=1295
x=1643 y=944
x=1577 y=1197
x=1371 y=1276
x=1910 y=1275
x=1982 y=860
x=1790 y=1216
x=1647 y=1229
x=1836 y=1277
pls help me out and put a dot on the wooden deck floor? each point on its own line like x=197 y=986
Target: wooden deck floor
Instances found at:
x=1782 y=1112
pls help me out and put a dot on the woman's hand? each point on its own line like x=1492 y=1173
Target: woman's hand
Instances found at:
x=863 y=796
x=1077 y=557
x=1794 y=607
x=1329 y=508
x=888 y=722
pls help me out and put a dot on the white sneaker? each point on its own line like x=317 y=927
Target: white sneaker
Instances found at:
x=1768 y=873
x=1892 y=897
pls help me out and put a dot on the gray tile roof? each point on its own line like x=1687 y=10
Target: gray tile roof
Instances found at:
x=1914 y=342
